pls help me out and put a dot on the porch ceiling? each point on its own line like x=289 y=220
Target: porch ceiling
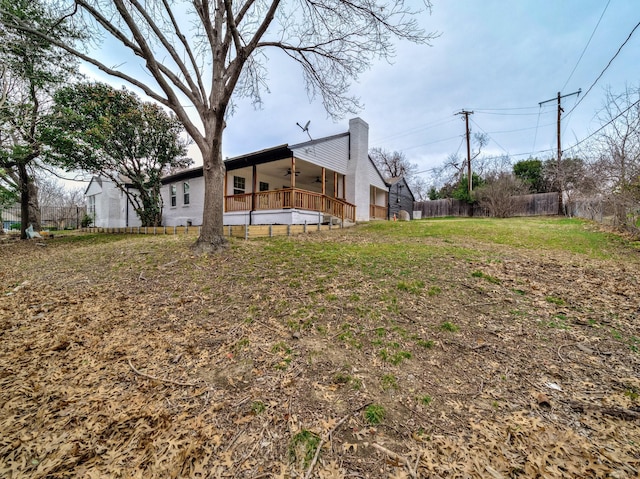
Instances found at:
x=308 y=174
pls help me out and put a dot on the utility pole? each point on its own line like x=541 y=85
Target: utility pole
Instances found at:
x=559 y=160
x=469 y=177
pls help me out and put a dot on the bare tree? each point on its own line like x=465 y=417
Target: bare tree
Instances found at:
x=454 y=169
x=202 y=53
x=497 y=194
x=394 y=165
x=574 y=179
x=617 y=155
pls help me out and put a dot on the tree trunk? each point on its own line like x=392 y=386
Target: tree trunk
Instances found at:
x=29 y=209
x=212 y=231
x=34 y=216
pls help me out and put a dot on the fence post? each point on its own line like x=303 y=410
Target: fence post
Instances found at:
x=288 y=230
x=246 y=231
x=304 y=229
x=270 y=231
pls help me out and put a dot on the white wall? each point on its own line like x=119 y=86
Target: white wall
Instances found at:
x=358 y=177
x=181 y=214
x=111 y=206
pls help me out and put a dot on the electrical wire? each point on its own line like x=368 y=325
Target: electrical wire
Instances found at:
x=492 y=139
x=535 y=136
x=394 y=136
x=510 y=114
x=636 y=103
x=605 y=68
x=586 y=46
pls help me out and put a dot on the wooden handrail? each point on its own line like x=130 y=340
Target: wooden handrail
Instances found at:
x=378 y=212
x=290 y=198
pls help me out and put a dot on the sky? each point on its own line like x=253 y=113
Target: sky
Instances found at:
x=497 y=58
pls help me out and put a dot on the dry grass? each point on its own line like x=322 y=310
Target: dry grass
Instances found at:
x=131 y=357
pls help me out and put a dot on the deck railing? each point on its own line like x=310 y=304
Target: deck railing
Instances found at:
x=291 y=198
x=377 y=212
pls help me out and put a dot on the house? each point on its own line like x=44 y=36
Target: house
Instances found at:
x=328 y=179
x=108 y=205
x=400 y=197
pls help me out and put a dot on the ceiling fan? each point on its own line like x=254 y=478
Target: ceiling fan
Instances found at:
x=288 y=173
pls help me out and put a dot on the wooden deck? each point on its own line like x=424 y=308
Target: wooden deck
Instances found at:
x=289 y=198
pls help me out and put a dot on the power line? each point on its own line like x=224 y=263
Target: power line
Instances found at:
x=394 y=136
x=606 y=124
x=605 y=68
x=507 y=109
x=432 y=142
x=535 y=136
x=586 y=46
x=513 y=114
x=493 y=139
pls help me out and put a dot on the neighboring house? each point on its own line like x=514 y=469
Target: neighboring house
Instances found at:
x=400 y=197
x=328 y=179
x=108 y=205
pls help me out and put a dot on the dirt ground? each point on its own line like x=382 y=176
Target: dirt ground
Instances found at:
x=131 y=357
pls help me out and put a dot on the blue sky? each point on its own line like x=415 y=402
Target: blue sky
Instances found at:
x=496 y=58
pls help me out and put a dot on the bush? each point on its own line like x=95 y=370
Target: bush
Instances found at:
x=87 y=221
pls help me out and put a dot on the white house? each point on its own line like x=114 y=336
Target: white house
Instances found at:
x=328 y=179
x=331 y=178
x=108 y=205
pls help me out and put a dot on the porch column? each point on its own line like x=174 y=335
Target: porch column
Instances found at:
x=254 y=175
x=293 y=172
x=323 y=180
x=343 y=187
x=224 y=194
x=335 y=184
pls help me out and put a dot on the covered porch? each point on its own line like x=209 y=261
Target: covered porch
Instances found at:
x=379 y=204
x=275 y=187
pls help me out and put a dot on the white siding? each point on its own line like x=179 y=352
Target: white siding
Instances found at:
x=111 y=206
x=181 y=214
x=332 y=153
x=374 y=177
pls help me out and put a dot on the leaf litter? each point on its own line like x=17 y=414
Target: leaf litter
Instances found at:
x=116 y=365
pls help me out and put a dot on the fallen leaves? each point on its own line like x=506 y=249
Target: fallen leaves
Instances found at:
x=104 y=375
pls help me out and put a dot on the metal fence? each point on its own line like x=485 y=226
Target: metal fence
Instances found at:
x=51 y=217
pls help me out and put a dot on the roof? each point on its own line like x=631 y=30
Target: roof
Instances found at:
x=256 y=158
x=97 y=179
x=397 y=179
x=259 y=157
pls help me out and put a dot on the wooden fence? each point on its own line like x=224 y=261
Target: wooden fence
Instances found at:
x=541 y=204
x=237 y=231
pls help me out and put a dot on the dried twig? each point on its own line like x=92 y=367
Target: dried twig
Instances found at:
x=396 y=457
x=560 y=355
x=327 y=436
x=619 y=412
x=163 y=380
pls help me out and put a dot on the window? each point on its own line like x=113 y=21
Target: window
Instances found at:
x=185 y=191
x=174 y=192
x=91 y=206
x=238 y=185
x=264 y=186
